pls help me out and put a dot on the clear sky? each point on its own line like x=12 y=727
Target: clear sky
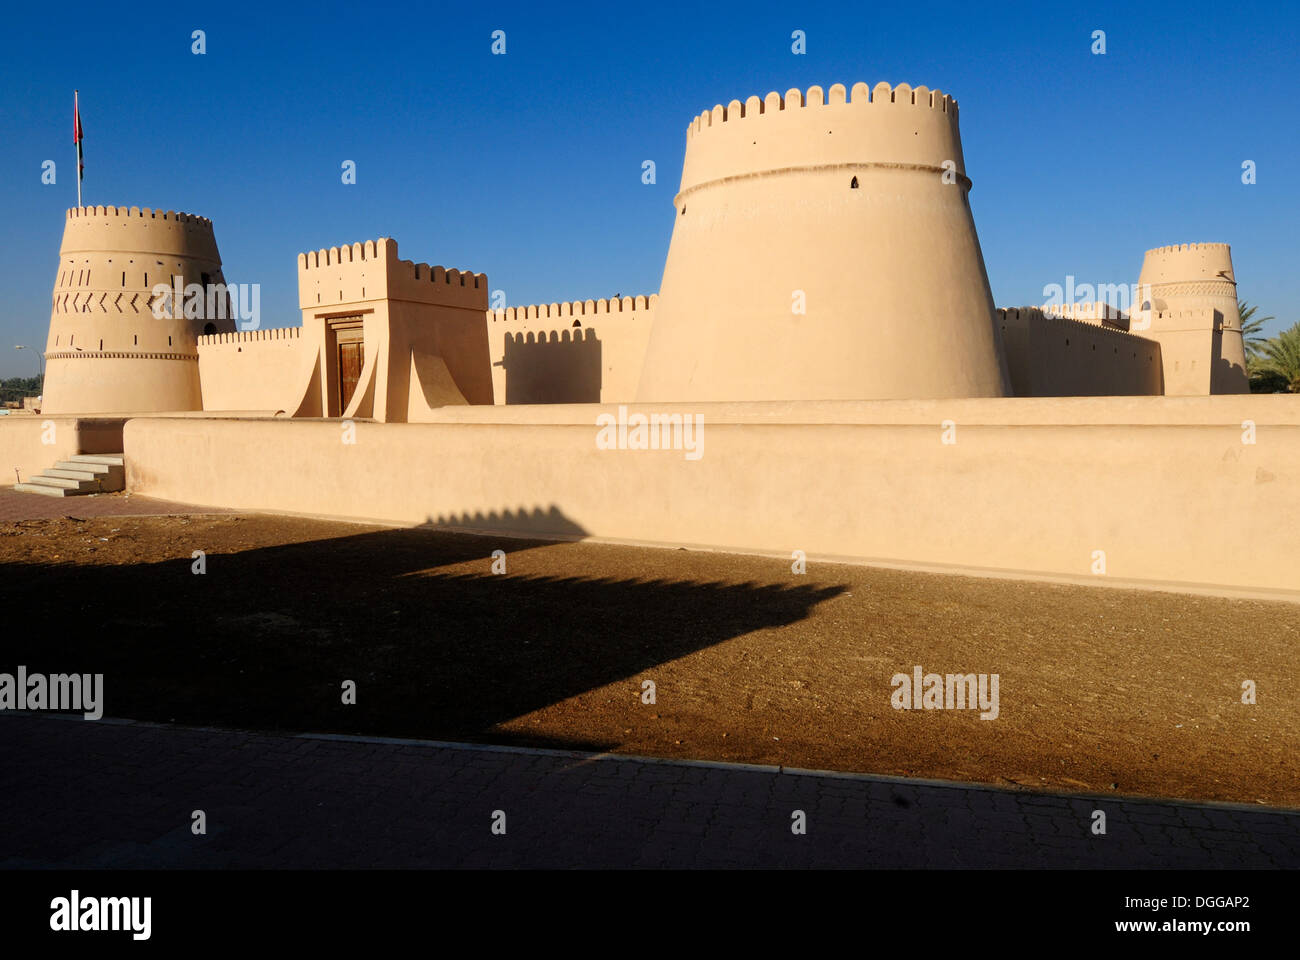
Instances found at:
x=528 y=166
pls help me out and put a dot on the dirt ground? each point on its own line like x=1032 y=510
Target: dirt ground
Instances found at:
x=1101 y=690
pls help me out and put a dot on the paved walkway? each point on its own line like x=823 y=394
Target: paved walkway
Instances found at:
x=16 y=505
x=76 y=793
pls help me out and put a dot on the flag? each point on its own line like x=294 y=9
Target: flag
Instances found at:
x=77 y=137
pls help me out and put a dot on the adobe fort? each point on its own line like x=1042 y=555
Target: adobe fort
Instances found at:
x=824 y=307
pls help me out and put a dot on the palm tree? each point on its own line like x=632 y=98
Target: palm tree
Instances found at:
x=1279 y=359
x=1252 y=330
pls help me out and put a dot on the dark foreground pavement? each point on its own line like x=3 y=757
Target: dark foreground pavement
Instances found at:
x=106 y=794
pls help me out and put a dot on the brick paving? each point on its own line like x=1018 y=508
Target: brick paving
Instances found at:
x=16 y=505
x=82 y=794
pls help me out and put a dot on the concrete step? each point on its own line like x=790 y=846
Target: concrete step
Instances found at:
x=80 y=473
x=63 y=482
x=73 y=474
x=96 y=468
x=44 y=490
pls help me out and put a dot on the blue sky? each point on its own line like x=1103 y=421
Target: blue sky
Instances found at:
x=528 y=166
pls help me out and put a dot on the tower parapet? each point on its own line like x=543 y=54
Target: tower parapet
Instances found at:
x=792 y=133
x=113 y=347
x=1189 y=300
x=822 y=240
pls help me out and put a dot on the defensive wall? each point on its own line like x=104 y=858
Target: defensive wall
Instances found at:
x=1054 y=356
x=1174 y=492
x=1090 y=311
x=418 y=330
x=585 y=351
x=255 y=369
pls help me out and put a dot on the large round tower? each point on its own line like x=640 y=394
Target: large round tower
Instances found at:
x=824 y=249
x=116 y=345
x=1191 y=308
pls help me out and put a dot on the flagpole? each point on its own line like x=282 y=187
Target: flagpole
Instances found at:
x=76 y=113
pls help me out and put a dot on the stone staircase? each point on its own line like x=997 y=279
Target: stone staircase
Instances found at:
x=80 y=473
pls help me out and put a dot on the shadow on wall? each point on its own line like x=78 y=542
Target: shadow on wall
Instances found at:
x=1225 y=376
x=559 y=367
x=438 y=645
x=536 y=521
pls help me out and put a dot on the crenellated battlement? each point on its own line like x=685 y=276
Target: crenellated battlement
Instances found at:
x=76 y=213
x=1187 y=262
x=373 y=270
x=1186 y=247
x=380 y=249
x=141 y=231
x=859 y=131
x=437 y=274
x=1038 y=315
x=574 y=309
x=384 y=250
x=252 y=336
x=861 y=95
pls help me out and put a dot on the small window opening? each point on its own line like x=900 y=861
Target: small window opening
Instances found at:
x=209 y=329
x=853 y=184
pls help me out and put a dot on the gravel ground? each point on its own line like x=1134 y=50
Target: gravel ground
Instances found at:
x=1099 y=689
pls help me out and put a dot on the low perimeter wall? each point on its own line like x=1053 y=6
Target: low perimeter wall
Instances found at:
x=31 y=443
x=1175 y=491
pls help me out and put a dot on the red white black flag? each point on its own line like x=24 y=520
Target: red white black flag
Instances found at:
x=77 y=137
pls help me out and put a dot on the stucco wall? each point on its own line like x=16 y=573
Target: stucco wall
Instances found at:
x=1060 y=357
x=1164 y=486
x=24 y=446
x=580 y=352
x=255 y=369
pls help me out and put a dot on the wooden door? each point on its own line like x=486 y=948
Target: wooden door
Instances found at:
x=351 y=357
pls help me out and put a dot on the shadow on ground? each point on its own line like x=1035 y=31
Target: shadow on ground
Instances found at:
x=267 y=636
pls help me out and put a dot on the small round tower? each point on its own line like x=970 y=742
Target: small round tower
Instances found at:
x=824 y=248
x=1191 y=308
x=116 y=344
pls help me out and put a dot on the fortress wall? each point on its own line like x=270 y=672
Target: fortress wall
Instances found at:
x=1030 y=487
x=584 y=351
x=24 y=447
x=1097 y=312
x=1199 y=347
x=1059 y=357
x=254 y=369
